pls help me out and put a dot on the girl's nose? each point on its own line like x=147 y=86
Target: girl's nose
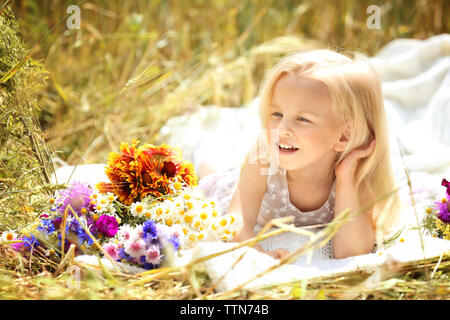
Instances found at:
x=284 y=128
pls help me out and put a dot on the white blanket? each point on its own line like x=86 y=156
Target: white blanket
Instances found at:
x=416 y=88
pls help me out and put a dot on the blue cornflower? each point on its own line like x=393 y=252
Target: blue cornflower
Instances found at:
x=175 y=242
x=47 y=226
x=84 y=236
x=73 y=225
x=149 y=266
x=124 y=255
x=149 y=229
x=30 y=242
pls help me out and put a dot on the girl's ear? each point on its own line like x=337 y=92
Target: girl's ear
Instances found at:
x=344 y=138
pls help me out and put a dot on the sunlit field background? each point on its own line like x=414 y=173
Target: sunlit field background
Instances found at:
x=135 y=64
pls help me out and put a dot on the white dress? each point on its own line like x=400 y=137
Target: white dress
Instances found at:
x=275 y=204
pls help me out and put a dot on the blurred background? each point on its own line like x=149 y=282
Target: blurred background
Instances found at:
x=132 y=65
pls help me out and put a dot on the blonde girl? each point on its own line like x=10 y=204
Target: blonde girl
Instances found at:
x=331 y=137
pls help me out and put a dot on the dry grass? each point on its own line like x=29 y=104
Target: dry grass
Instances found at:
x=34 y=279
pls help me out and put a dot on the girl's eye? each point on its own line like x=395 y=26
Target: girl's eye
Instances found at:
x=301 y=119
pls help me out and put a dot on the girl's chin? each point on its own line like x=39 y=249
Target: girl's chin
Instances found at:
x=289 y=165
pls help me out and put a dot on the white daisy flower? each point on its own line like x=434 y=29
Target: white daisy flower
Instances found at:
x=138 y=208
x=9 y=235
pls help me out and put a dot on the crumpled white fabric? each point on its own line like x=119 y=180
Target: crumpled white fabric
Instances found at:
x=248 y=268
x=239 y=267
x=415 y=77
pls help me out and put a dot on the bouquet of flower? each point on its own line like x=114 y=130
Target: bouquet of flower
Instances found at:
x=78 y=215
x=155 y=183
x=151 y=206
x=437 y=220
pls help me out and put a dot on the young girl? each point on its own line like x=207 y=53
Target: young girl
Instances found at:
x=324 y=148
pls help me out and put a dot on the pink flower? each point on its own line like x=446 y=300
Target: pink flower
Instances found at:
x=152 y=255
x=107 y=225
x=112 y=250
x=135 y=248
x=126 y=236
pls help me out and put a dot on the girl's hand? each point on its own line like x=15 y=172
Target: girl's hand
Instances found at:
x=278 y=253
x=346 y=169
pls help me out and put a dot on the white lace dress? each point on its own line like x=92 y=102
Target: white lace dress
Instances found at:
x=275 y=204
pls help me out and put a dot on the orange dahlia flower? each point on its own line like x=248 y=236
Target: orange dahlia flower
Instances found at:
x=147 y=170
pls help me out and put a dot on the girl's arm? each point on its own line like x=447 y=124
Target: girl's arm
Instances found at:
x=247 y=198
x=246 y=202
x=356 y=236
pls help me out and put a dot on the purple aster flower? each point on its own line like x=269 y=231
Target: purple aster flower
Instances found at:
x=92 y=225
x=18 y=246
x=77 y=195
x=443 y=207
x=26 y=244
x=107 y=225
x=442 y=211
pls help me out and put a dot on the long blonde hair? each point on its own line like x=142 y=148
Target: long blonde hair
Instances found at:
x=355 y=91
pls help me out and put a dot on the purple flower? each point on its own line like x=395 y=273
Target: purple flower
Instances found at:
x=443 y=208
x=27 y=243
x=77 y=195
x=107 y=225
x=57 y=222
x=442 y=211
x=446 y=184
x=18 y=246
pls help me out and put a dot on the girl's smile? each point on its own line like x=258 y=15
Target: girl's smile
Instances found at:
x=286 y=149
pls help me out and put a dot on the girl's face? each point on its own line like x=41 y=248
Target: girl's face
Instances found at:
x=300 y=116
